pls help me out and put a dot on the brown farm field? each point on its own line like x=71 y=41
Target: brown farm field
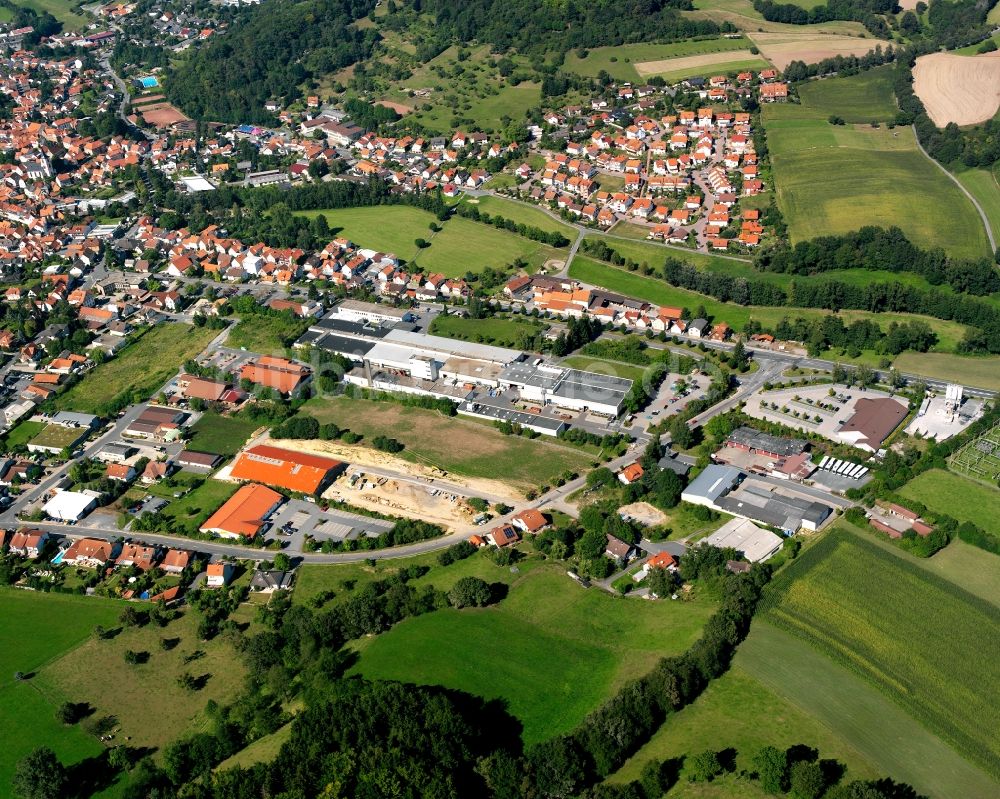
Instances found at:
x=692 y=63
x=782 y=48
x=964 y=89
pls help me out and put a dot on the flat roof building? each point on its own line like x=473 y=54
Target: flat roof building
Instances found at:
x=712 y=484
x=69 y=506
x=360 y=311
x=746 y=537
x=280 y=374
x=758 y=443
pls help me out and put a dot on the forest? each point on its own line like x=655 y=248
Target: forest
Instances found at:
x=863 y=11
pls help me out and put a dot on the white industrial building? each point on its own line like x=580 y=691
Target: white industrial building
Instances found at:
x=69 y=506
x=744 y=536
x=360 y=311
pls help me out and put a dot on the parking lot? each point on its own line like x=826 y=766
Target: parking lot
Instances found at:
x=297 y=518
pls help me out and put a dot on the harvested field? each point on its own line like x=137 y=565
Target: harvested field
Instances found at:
x=399 y=108
x=960 y=89
x=162 y=116
x=691 y=62
x=781 y=49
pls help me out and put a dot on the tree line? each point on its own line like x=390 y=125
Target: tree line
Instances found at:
x=551 y=237
x=864 y=11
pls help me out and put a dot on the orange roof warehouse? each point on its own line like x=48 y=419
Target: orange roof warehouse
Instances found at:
x=295 y=471
x=244 y=514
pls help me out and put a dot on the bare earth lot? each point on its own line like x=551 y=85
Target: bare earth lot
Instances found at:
x=646 y=68
x=783 y=48
x=958 y=88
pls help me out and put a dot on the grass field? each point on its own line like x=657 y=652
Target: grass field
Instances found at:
x=142 y=367
x=267 y=335
x=38 y=628
x=604 y=366
x=137 y=695
x=957 y=496
x=857 y=713
x=466 y=246
x=736 y=316
x=979 y=371
x=927 y=654
x=188 y=512
x=387 y=228
x=984 y=185
x=834 y=179
x=23 y=433
x=551 y=649
x=521 y=213
x=741 y=13
x=737 y=711
x=62 y=10
x=514 y=332
x=619 y=62
x=223 y=435
x=455 y=444
x=860 y=98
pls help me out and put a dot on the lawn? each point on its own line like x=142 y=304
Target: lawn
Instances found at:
x=516 y=331
x=188 y=512
x=141 y=368
x=223 y=435
x=869 y=176
x=619 y=61
x=267 y=335
x=23 y=433
x=957 y=496
x=137 y=695
x=552 y=650
x=604 y=366
x=927 y=654
x=724 y=66
x=969 y=370
x=984 y=186
x=466 y=246
x=521 y=213
x=387 y=228
x=860 y=98
x=737 y=710
x=453 y=444
x=38 y=628
x=62 y=10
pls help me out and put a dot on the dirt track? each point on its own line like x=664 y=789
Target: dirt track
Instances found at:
x=958 y=88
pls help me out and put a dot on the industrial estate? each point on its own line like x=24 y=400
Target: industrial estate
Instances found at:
x=516 y=400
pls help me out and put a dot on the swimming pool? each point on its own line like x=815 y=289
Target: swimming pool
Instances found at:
x=58 y=558
x=149 y=82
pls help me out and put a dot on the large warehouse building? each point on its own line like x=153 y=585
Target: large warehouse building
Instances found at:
x=399 y=358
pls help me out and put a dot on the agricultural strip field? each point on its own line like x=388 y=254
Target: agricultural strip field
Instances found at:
x=223 y=435
x=835 y=179
x=736 y=316
x=984 y=185
x=38 y=628
x=926 y=654
x=959 y=89
x=552 y=650
x=857 y=713
x=860 y=98
x=521 y=213
x=141 y=368
x=623 y=61
x=452 y=444
x=736 y=710
x=516 y=332
x=957 y=496
x=671 y=69
x=978 y=371
x=782 y=48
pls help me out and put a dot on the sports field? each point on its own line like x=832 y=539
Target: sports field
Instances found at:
x=957 y=496
x=833 y=179
x=917 y=638
x=620 y=62
x=38 y=628
x=551 y=649
x=141 y=368
x=860 y=98
x=453 y=444
x=387 y=228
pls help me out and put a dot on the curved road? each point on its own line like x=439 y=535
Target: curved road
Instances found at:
x=957 y=182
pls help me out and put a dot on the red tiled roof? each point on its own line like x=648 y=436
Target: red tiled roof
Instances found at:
x=296 y=471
